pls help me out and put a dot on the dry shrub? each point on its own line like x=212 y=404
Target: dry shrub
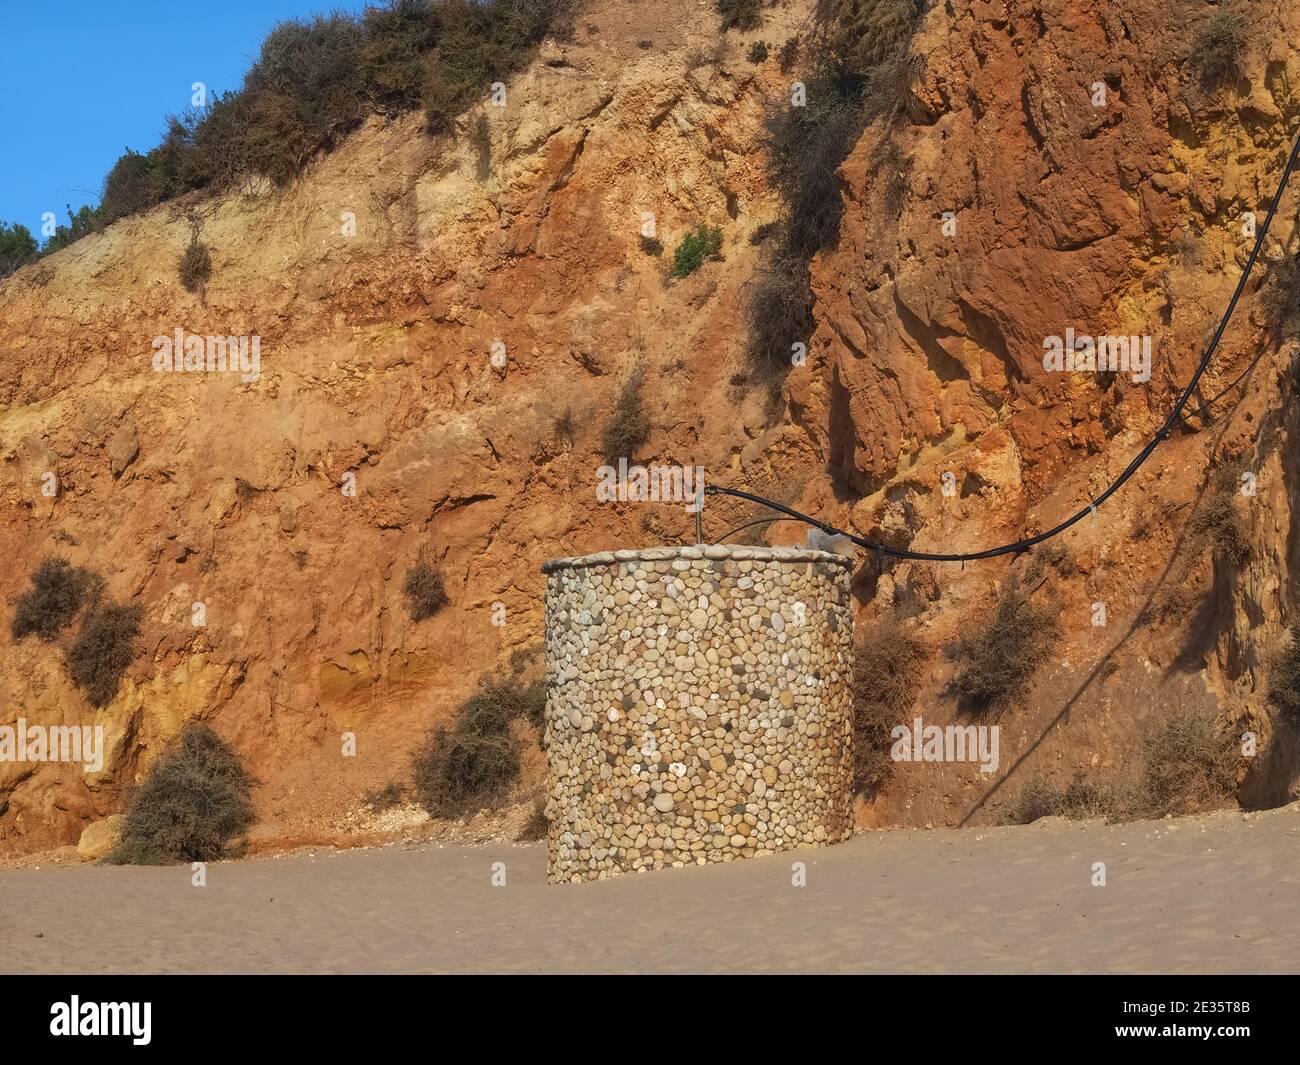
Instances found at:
x=1190 y=765
x=385 y=798
x=424 y=589
x=740 y=14
x=1175 y=601
x=480 y=43
x=397 y=38
x=807 y=146
x=629 y=425
x=195 y=267
x=1216 y=523
x=1284 y=679
x=474 y=763
x=193 y=803
x=536 y=827
x=565 y=428
x=1079 y=799
x=889 y=663
x=58 y=591
x=779 y=313
x=996 y=662
x=1219 y=47
x=103 y=649
x=788 y=55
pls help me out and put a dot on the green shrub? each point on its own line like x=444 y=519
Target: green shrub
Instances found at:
x=703 y=242
x=83 y=221
x=424 y=590
x=1190 y=765
x=889 y=664
x=757 y=52
x=628 y=426
x=195 y=267
x=1284 y=678
x=1218 y=47
x=134 y=184
x=996 y=661
x=193 y=803
x=103 y=649
x=473 y=763
x=17 y=247
x=58 y=591
x=740 y=14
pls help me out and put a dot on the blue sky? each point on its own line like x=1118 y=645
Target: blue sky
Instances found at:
x=84 y=79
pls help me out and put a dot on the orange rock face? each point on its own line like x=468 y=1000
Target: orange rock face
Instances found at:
x=384 y=286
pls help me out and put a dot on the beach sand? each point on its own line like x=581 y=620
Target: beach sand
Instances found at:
x=1212 y=894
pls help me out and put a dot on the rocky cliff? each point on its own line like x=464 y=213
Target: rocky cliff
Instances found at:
x=999 y=207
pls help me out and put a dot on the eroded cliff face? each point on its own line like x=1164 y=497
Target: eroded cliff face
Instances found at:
x=1060 y=168
x=376 y=370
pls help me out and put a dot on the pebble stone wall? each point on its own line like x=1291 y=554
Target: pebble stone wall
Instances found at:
x=698 y=706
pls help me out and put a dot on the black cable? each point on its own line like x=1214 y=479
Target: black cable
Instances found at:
x=1175 y=416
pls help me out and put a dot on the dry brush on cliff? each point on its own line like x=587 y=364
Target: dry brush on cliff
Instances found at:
x=474 y=762
x=995 y=661
x=58 y=591
x=99 y=655
x=193 y=804
x=889 y=664
x=424 y=589
x=1190 y=764
x=104 y=648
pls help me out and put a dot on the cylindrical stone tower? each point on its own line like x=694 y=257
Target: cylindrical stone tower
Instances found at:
x=698 y=706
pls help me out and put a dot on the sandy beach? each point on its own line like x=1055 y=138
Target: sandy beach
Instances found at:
x=1216 y=894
